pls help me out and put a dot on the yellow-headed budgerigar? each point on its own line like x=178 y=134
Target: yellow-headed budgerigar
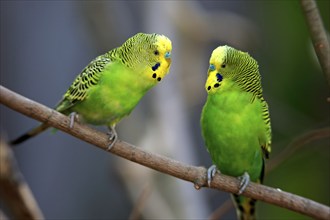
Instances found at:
x=111 y=85
x=235 y=122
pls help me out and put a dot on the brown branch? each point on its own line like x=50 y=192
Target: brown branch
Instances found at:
x=318 y=35
x=14 y=191
x=196 y=175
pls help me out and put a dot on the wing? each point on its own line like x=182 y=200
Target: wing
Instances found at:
x=87 y=79
x=266 y=147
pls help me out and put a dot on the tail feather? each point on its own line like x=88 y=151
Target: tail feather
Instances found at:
x=245 y=207
x=30 y=134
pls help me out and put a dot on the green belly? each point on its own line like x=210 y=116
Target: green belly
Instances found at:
x=231 y=126
x=117 y=93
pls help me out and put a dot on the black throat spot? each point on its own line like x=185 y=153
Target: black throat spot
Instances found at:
x=155 y=67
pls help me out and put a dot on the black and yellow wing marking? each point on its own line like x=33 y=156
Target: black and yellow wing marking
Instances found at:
x=88 y=78
x=266 y=148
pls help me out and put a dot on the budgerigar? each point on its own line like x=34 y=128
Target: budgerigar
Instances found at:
x=111 y=86
x=235 y=122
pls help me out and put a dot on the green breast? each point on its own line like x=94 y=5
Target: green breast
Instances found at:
x=117 y=93
x=231 y=127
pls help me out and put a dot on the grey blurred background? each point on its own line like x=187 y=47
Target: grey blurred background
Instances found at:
x=45 y=44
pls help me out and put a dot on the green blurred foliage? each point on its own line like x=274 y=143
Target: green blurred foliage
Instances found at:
x=294 y=83
x=305 y=174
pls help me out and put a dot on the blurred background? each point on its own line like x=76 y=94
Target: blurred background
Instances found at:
x=45 y=44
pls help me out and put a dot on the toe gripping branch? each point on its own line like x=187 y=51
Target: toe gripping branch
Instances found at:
x=113 y=137
x=244 y=179
x=210 y=174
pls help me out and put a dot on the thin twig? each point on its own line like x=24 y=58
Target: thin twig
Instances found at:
x=318 y=35
x=140 y=203
x=196 y=175
x=14 y=191
x=221 y=210
x=297 y=143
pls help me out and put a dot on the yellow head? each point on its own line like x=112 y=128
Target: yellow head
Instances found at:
x=149 y=54
x=214 y=77
x=162 y=60
x=230 y=68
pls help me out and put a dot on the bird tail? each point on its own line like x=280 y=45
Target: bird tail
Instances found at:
x=33 y=132
x=245 y=207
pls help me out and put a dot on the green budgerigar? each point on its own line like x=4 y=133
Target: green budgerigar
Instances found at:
x=111 y=85
x=235 y=122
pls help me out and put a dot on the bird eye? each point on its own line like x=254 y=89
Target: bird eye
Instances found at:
x=211 y=67
x=156 y=52
x=223 y=65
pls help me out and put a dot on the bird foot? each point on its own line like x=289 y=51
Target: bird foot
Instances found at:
x=113 y=137
x=210 y=174
x=245 y=180
x=73 y=117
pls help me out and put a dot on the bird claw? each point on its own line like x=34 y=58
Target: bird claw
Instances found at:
x=210 y=174
x=244 y=182
x=113 y=137
x=73 y=116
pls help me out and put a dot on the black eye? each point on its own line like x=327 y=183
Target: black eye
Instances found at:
x=156 y=52
x=223 y=65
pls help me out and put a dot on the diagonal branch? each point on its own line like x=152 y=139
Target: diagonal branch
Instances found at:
x=14 y=191
x=196 y=175
x=318 y=35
